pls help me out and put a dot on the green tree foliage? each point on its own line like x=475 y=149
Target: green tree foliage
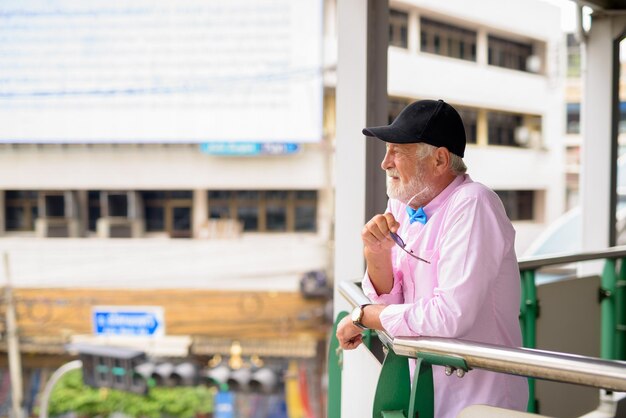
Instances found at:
x=70 y=395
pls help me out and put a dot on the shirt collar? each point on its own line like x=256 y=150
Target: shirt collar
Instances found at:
x=431 y=208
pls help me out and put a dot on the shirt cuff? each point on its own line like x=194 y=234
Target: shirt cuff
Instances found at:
x=394 y=319
x=393 y=297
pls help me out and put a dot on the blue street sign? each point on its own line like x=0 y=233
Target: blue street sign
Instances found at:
x=249 y=148
x=138 y=321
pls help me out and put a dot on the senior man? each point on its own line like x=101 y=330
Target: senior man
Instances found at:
x=441 y=259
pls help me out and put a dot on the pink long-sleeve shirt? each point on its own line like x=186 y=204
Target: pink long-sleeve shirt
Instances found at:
x=470 y=290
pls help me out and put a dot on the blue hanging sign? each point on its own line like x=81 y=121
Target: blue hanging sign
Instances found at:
x=249 y=148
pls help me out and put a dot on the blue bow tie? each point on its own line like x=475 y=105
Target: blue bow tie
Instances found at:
x=416 y=215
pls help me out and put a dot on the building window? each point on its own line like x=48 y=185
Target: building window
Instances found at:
x=266 y=211
x=248 y=209
x=94 y=212
x=118 y=205
x=20 y=208
x=276 y=210
x=573 y=118
x=220 y=204
x=509 y=54
x=572 y=157
x=622 y=118
x=448 y=40
x=168 y=211
x=154 y=211
x=398 y=28
x=573 y=56
x=519 y=204
x=395 y=106
x=502 y=127
x=154 y=215
x=54 y=205
x=305 y=211
x=470 y=118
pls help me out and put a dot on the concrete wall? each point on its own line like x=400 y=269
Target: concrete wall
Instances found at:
x=130 y=167
x=251 y=262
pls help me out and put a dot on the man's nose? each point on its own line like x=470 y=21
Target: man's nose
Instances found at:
x=387 y=162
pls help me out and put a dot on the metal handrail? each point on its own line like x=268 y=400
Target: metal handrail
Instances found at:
x=535 y=262
x=560 y=367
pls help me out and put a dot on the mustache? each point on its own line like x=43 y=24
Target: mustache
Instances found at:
x=392 y=173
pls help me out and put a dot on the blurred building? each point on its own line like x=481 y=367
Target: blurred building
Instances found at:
x=110 y=199
x=505 y=76
x=234 y=239
x=573 y=137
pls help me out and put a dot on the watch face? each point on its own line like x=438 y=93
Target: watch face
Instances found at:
x=356 y=314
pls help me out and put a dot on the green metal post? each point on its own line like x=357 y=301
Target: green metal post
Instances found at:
x=335 y=363
x=522 y=308
x=367 y=338
x=529 y=310
x=393 y=390
x=607 y=309
x=620 y=302
x=422 y=403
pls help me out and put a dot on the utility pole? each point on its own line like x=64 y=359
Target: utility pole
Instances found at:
x=13 y=347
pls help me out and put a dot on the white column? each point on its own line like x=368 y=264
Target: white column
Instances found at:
x=414 y=32
x=596 y=114
x=200 y=211
x=350 y=162
x=82 y=205
x=350 y=143
x=2 y=214
x=482 y=47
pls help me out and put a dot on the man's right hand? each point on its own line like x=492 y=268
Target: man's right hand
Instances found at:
x=375 y=233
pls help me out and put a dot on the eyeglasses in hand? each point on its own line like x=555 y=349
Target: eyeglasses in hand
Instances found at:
x=396 y=238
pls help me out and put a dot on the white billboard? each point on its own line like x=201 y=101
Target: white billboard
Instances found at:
x=85 y=71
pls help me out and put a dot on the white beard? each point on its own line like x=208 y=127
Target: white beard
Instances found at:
x=415 y=191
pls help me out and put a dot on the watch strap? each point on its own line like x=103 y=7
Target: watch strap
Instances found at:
x=358 y=322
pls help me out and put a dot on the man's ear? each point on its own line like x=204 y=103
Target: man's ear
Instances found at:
x=442 y=160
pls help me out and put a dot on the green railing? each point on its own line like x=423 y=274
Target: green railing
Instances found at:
x=397 y=399
x=611 y=295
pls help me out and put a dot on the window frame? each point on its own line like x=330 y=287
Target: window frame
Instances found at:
x=503 y=52
x=290 y=203
x=29 y=204
x=398 y=28
x=511 y=142
x=520 y=205
x=169 y=200
x=448 y=40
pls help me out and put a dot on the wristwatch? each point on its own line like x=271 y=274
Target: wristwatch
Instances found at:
x=357 y=316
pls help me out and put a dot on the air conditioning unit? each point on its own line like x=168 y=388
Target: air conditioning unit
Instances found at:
x=528 y=138
x=119 y=228
x=534 y=64
x=119 y=215
x=57 y=228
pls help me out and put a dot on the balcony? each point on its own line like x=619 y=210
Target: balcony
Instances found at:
x=374 y=373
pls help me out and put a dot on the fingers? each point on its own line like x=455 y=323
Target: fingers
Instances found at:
x=353 y=342
x=349 y=335
x=392 y=224
x=376 y=231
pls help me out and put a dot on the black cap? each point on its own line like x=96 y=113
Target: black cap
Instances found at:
x=434 y=122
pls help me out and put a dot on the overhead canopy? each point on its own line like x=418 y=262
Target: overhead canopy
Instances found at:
x=604 y=4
